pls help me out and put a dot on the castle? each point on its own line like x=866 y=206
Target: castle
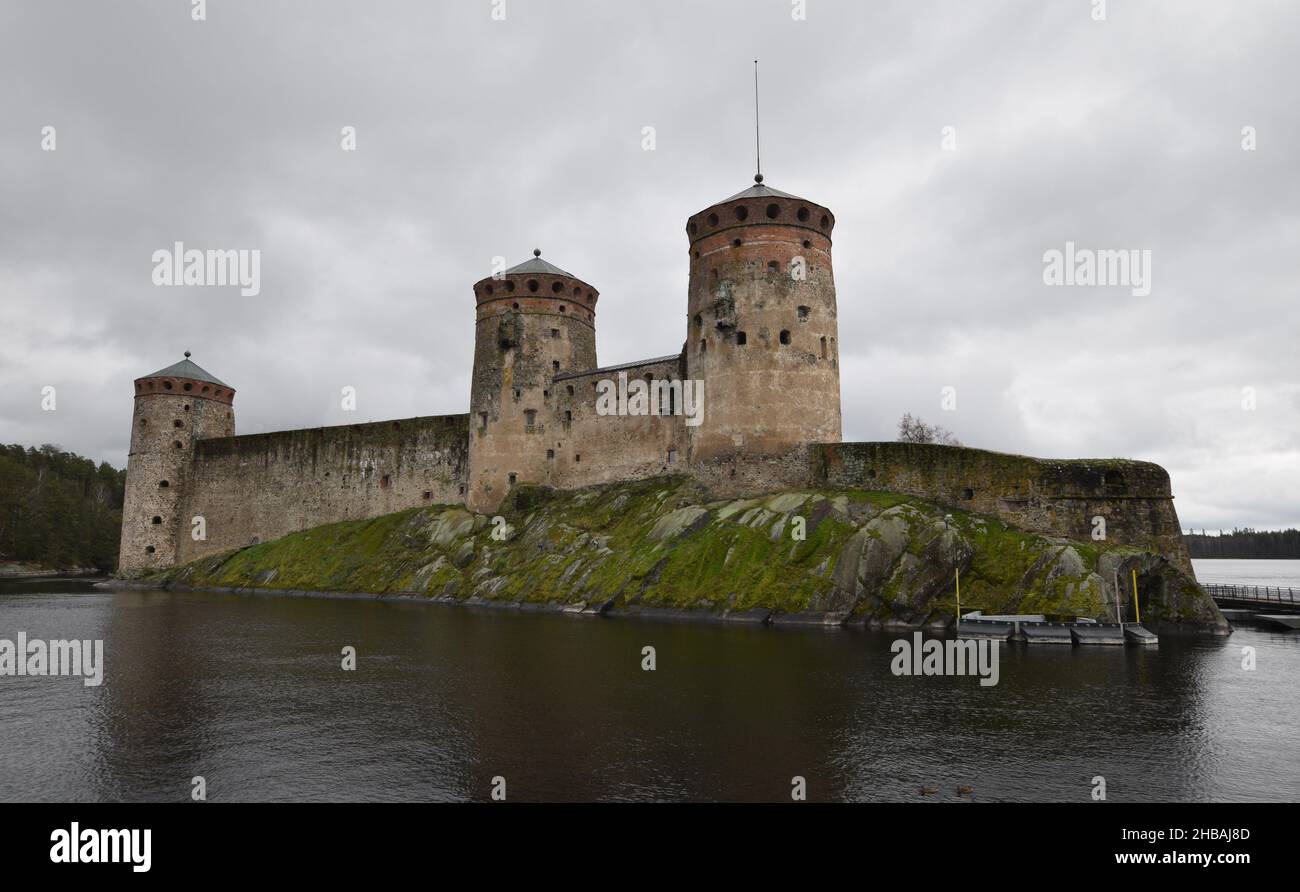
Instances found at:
x=760 y=360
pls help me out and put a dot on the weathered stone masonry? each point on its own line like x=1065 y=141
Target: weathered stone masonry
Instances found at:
x=1054 y=498
x=255 y=488
x=761 y=340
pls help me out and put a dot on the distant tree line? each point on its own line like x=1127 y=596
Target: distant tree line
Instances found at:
x=1247 y=543
x=59 y=509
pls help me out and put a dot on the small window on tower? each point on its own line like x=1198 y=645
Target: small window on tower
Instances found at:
x=384 y=482
x=823 y=348
x=803 y=313
x=555 y=332
x=156 y=519
x=741 y=340
x=568 y=415
x=550 y=455
x=785 y=336
x=570 y=390
x=555 y=365
x=530 y=417
x=513 y=478
x=482 y=421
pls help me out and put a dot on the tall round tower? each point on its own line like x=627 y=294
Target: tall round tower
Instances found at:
x=174 y=407
x=533 y=322
x=761 y=325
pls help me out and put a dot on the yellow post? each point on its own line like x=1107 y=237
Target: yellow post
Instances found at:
x=1136 y=608
x=958 y=572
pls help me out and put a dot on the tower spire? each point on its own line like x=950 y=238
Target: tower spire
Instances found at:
x=758 y=155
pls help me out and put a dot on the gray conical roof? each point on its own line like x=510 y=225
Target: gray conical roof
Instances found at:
x=538 y=266
x=758 y=190
x=187 y=369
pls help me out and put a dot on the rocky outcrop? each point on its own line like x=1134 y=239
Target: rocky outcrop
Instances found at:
x=823 y=556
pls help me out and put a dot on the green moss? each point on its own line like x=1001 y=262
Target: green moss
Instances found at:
x=594 y=546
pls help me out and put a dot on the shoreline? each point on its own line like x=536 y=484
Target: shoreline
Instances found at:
x=16 y=572
x=756 y=617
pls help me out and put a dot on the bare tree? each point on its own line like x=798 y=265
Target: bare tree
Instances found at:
x=913 y=430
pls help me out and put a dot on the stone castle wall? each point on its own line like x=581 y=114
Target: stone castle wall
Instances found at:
x=259 y=487
x=590 y=448
x=1050 y=497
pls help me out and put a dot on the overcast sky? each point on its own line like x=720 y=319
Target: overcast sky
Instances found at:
x=478 y=138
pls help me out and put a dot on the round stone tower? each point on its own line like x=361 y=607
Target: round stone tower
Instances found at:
x=761 y=325
x=174 y=407
x=533 y=322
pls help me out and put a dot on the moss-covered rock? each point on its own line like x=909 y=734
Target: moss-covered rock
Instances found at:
x=861 y=555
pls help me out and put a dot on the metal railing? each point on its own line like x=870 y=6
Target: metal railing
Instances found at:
x=1255 y=594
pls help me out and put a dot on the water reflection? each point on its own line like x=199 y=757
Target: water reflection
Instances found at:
x=248 y=692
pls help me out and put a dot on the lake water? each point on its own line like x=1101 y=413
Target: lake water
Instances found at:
x=248 y=692
x=1283 y=574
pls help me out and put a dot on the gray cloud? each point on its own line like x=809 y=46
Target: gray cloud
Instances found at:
x=479 y=138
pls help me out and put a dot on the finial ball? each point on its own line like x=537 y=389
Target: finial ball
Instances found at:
x=537 y=252
x=758 y=178
x=187 y=354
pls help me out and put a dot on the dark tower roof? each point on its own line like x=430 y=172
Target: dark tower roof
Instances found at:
x=758 y=190
x=538 y=266
x=187 y=369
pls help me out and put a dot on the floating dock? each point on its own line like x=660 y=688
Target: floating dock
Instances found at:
x=1098 y=633
x=981 y=629
x=1037 y=629
x=1047 y=633
x=1136 y=634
